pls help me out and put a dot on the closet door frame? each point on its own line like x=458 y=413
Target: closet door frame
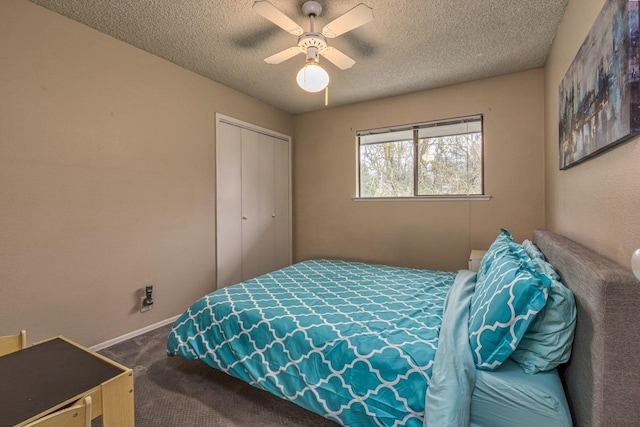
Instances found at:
x=221 y=118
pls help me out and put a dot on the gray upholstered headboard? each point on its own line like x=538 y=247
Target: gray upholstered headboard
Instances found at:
x=602 y=379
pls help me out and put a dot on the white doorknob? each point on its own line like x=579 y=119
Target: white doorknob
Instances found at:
x=273 y=215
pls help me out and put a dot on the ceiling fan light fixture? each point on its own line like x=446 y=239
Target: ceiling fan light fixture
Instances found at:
x=312 y=77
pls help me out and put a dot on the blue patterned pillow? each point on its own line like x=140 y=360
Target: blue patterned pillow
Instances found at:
x=506 y=300
x=496 y=250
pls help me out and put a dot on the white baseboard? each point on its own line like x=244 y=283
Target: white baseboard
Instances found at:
x=125 y=337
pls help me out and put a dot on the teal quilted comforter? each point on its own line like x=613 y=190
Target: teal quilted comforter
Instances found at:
x=353 y=342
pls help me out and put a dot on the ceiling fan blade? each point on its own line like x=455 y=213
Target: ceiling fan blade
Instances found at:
x=283 y=56
x=359 y=15
x=274 y=15
x=338 y=58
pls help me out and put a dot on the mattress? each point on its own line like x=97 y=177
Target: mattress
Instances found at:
x=507 y=394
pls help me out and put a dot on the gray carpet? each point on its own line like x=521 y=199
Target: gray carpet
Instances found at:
x=174 y=392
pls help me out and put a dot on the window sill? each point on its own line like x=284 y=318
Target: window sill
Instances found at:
x=479 y=198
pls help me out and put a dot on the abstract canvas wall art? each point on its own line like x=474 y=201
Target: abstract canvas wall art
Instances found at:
x=599 y=95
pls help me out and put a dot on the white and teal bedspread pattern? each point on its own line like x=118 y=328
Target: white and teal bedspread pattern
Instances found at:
x=353 y=342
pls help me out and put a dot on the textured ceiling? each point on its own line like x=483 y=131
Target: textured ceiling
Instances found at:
x=411 y=45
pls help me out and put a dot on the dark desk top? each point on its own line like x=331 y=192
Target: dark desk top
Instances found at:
x=43 y=376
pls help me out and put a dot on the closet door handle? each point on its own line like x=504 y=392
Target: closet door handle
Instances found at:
x=273 y=215
x=244 y=217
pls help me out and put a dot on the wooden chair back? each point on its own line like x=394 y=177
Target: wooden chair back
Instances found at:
x=11 y=343
x=78 y=415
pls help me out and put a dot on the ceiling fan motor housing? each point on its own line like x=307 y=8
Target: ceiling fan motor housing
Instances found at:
x=312 y=44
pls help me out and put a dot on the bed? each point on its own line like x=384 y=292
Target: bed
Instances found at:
x=374 y=345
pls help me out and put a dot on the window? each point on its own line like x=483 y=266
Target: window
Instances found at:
x=442 y=158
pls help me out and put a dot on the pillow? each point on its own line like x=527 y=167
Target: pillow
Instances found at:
x=496 y=250
x=506 y=300
x=541 y=264
x=532 y=250
x=547 y=342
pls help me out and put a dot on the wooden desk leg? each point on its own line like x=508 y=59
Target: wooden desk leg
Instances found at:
x=117 y=401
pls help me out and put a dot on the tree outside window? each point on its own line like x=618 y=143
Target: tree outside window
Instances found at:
x=441 y=158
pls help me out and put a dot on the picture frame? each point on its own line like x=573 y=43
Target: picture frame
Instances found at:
x=599 y=100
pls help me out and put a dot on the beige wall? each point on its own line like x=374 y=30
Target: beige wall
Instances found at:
x=596 y=203
x=328 y=223
x=106 y=178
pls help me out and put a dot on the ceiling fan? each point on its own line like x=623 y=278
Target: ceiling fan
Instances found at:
x=312 y=77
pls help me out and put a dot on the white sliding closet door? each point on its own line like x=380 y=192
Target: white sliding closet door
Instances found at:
x=228 y=203
x=250 y=236
x=258 y=205
x=267 y=214
x=253 y=210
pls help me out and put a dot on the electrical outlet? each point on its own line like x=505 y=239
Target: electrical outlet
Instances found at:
x=146 y=301
x=144 y=307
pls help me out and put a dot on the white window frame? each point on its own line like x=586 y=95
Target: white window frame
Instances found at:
x=414 y=129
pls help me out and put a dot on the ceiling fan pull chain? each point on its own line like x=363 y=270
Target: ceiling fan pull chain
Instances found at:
x=326 y=96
